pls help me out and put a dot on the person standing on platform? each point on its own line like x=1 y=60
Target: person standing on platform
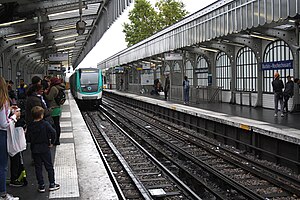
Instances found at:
x=35 y=98
x=278 y=94
x=46 y=82
x=21 y=94
x=167 y=86
x=4 y=124
x=186 y=90
x=41 y=136
x=121 y=84
x=11 y=93
x=297 y=81
x=21 y=90
x=51 y=94
x=288 y=92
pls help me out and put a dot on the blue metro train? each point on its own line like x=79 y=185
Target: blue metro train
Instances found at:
x=86 y=85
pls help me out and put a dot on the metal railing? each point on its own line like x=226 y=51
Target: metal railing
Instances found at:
x=208 y=94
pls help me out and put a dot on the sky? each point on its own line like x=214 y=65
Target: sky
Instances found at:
x=113 y=40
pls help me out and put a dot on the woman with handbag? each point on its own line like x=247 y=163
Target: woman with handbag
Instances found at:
x=4 y=124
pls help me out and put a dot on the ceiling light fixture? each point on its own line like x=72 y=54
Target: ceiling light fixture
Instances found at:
x=263 y=37
x=12 y=22
x=64 y=12
x=18 y=36
x=232 y=43
x=208 y=49
x=64 y=49
x=65 y=43
x=65 y=37
x=25 y=45
x=68 y=27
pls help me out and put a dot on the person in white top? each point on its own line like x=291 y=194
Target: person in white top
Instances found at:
x=5 y=111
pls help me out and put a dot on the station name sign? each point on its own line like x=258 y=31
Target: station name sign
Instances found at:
x=54 y=67
x=173 y=56
x=201 y=70
x=287 y=64
x=119 y=69
x=58 y=57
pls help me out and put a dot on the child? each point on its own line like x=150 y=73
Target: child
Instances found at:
x=41 y=135
x=17 y=170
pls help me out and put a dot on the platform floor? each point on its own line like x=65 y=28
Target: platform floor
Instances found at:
x=78 y=167
x=260 y=114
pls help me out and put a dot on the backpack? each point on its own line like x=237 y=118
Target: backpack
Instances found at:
x=186 y=84
x=60 y=97
x=21 y=93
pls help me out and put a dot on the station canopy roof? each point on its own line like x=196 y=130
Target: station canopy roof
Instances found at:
x=39 y=28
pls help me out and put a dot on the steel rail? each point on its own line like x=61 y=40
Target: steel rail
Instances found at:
x=157 y=162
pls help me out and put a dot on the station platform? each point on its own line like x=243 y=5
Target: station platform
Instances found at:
x=260 y=120
x=78 y=167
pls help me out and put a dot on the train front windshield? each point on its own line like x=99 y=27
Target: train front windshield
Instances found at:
x=89 y=78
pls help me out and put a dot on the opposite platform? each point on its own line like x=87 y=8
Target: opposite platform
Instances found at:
x=259 y=120
x=78 y=167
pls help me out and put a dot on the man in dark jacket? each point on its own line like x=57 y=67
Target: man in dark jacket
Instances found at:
x=297 y=81
x=288 y=92
x=278 y=94
x=167 y=86
x=35 y=98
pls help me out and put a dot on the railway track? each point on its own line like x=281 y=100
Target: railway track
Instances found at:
x=138 y=174
x=197 y=160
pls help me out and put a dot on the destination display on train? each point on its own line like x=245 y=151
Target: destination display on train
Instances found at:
x=89 y=70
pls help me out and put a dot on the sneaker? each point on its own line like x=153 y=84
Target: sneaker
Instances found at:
x=275 y=115
x=16 y=183
x=9 y=197
x=54 y=186
x=282 y=115
x=42 y=189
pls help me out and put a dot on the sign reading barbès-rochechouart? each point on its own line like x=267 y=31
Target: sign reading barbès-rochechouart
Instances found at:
x=287 y=64
x=173 y=56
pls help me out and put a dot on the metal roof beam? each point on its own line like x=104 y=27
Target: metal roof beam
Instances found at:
x=51 y=5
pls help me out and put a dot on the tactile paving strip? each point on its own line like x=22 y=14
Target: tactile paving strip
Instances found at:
x=65 y=172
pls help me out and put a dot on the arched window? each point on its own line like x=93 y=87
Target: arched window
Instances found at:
x=177 y=75
x=167 y=69
x=201 y=71
x=133 y=75
x=189 y=71
x=276 y=51
x=246 y=70
x=157 y=71
x=223 y=71
x=177 y=68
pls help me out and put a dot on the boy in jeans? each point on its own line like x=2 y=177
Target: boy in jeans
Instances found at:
x=41 y=136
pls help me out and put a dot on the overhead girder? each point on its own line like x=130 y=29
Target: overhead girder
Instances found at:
x=287 y=36
x=31 y=65
x=31 y=24
x=35 y=68
x=26 y=58
x=58 y=5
